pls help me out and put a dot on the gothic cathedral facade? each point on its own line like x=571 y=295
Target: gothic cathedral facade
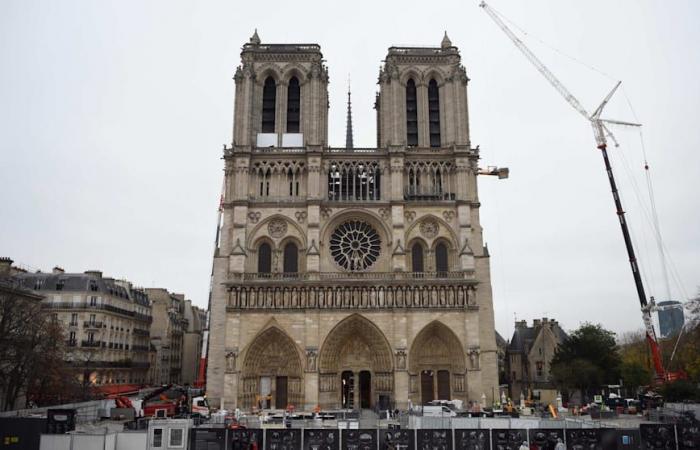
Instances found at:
x=350 y=277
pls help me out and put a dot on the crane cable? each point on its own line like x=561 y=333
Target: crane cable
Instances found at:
x=651 y=216
x=551 y=47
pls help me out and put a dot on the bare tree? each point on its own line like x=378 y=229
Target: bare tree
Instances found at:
x=31 y=346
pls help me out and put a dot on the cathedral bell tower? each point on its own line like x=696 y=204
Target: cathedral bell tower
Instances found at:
x=281 y=96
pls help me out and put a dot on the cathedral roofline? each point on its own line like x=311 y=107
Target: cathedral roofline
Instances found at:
x=281 y=48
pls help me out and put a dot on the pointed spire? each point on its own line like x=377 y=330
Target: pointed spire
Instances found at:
x=255 y=39
x=348 y=126
x=446 y=42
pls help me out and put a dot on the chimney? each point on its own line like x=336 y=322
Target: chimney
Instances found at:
x=95 y=273
x=57 y=270
x=521 y=324
x=536 y=323
x=5 y=266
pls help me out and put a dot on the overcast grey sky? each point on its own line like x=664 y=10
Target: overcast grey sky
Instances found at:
x=113 y=115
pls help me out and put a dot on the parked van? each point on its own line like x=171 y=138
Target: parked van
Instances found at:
x=438 y=411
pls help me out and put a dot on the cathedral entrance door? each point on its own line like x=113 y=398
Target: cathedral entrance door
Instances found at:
x=443 y=385
x=426 y=386
x=365 y=389
x=265 y=392
x=347 y=381
x=281 y=393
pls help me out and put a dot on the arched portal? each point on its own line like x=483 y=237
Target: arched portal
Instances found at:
x=272 y=372
x=436 y=365
x=356 y=366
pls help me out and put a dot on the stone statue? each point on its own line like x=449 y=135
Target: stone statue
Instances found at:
x=231 y=361
x=474 y=358
x=471 y=295
x=401 y=359
x=311 y=360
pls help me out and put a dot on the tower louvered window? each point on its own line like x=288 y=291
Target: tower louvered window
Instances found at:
x=293 y=105
x=441 y=259
x=434 y=113
x=417 y=258
x=268 y=108
x=264 y=258
x=411 y=114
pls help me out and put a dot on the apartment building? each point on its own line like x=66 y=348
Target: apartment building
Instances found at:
x=106 y=323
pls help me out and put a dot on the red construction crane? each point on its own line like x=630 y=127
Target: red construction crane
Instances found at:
x=201 y=381
x=600 y=132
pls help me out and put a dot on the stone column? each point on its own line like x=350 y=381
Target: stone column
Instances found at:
x=356 y=390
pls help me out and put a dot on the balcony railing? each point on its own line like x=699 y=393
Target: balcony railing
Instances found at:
x=139 y=348
x=141 y=332
x=71 y=343
x=352 y=276
x=92 y=344
x=110 y=308
x=412 y=194
x=91 y=324
x=363 y=295
x=122 y=363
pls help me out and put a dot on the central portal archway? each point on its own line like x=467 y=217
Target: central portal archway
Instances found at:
x=356 y=366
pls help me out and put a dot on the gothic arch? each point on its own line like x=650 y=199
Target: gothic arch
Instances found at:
x=436 y=344
x=358 y=213
x=409 y=254
x=436 y=74
x=293 y=70
x=436 y=350
x=354 y=330
x=293 y=229
x=271 y=355
x=267 y=70
x=411 y=72
x=446 y=232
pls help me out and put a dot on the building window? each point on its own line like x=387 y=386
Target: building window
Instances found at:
x=355 y=245
x=268 y=108
x=434 y=113
x=176 y=437
x=354 y=181
x=411 y=114
x=264 y=258
x=71 y=339
x=291 y=258
x=38 y=284
x=60 y=284
x=417 y=258
x=93 y=285
x=93 y=301
x=293 y=182
x=157 y=441
x=441 y=263
x=293 y=105
x=540 y=368
x=73 y=319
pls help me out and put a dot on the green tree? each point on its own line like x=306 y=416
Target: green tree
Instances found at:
x=587 y=360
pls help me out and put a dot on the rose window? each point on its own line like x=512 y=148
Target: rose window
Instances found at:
x=355 y=245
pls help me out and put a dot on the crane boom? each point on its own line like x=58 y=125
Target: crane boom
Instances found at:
x=202 y=370
x=553 y=80
x=599 y=131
